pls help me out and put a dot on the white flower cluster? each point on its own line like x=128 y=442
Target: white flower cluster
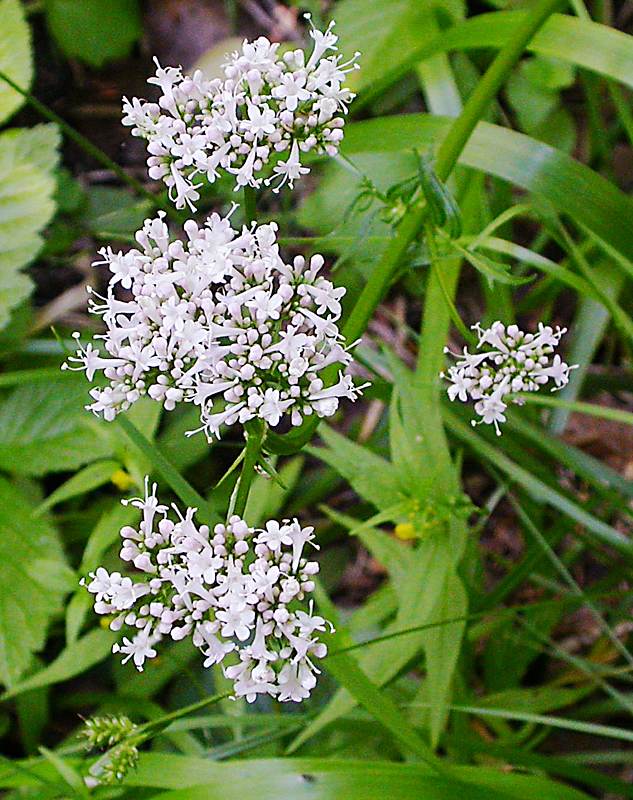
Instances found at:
x=234 y=590
x=514 y=361
x=218 y=319
x=268 y=109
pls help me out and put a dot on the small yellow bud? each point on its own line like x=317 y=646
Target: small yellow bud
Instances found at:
x=104 y=622
x=405 y=530
x=122 y=480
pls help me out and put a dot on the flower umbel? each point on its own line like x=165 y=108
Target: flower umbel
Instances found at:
x=220 y=320
x=236 y=591
x=268 y=110
x=513 y=361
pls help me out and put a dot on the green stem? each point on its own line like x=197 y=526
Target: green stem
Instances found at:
x=449 y=152
x=437 y=272
x=254 y=432
x=250 y=204
x=591 y=409
x=88 y=147
x=167 y=719
x=414 y=220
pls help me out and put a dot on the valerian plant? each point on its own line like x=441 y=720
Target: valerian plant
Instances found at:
x=214 y=335
x=222 y=321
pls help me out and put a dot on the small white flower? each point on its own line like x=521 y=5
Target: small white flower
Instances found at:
x=233 y=592
x=139 y=648
x=265 y=105
x=514 y=361
x=219 y=320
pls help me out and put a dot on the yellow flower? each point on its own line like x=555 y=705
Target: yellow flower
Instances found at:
x=405 y=530
x=122 y=479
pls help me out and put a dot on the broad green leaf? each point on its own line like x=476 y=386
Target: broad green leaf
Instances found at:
x=373 y=477
x=571 y=187
x=307 y=779
x=93 y=31
x=33 y=578
x=45 y=428
x=334 y=779
x=78 y=657
x=16 y=60
x=383 y=33
x=87 y=479
x=27 y=160
x=442 y=646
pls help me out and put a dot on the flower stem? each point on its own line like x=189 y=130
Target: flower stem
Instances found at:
x=254 y=432
x=156 y=725
x=250 y=204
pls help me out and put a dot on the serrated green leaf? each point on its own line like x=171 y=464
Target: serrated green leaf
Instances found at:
x=45 y=428
x=38 y=145
x=16 y=60
x=30 y=554
x=27 y=185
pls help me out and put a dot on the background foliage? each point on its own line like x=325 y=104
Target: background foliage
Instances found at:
x=480 y=585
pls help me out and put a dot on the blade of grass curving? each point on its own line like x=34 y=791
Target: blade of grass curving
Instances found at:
x=564 y=723
x=540 y=491
x=569 y=579
x=586 y=667
x=591 y=409
x=170 y=475
x=375 y=700
x=599 y=475
x=588 y=331
x=590 y=45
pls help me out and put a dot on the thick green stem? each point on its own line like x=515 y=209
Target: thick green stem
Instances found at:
x=449 y=152
x=416 y=217
x=254 y=432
